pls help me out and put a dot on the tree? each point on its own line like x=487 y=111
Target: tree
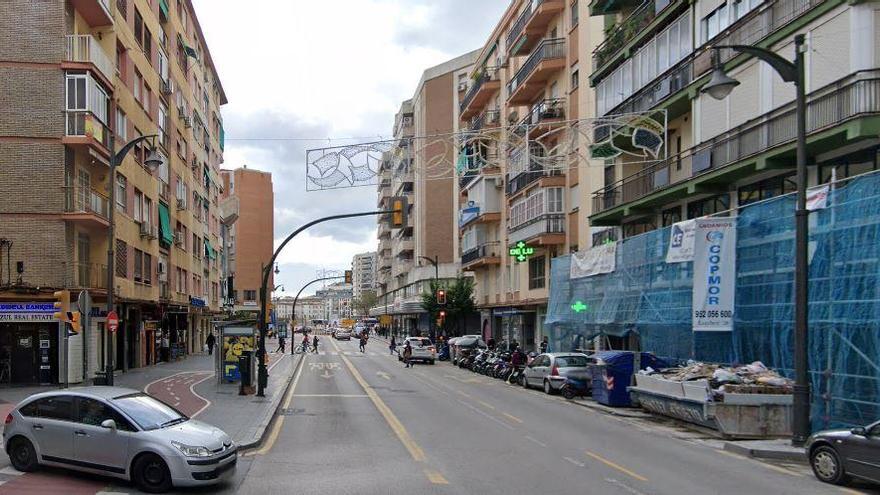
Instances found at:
x=364 y=303
x=459 y=303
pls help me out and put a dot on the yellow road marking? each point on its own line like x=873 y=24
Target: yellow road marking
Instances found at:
x=402 y=434
x=616 y=466
x=512 y=417
x=279 y=421
x=850 y=490
x=486 y=405
x=435 y=477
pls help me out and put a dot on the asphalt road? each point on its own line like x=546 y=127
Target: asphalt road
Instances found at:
x=362 y=423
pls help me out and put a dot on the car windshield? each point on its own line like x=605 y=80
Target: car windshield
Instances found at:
x=572 y=362
x=148 y=412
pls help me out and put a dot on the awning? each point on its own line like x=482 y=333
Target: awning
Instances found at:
x=163 y=7
x=209 y=250
x=165 y=233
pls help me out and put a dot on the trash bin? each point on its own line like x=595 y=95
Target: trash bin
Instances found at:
x=244 y=369
x=612 y=377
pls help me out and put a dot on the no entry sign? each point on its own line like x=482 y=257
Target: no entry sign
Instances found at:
x=112 y=321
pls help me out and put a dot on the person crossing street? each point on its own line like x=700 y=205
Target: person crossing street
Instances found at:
x=315 y=344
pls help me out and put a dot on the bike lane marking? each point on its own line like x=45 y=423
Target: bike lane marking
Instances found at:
x=179 y=391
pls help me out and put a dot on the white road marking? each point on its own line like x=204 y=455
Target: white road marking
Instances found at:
x=534 y=440
x=383 y=375
x=487 y=416
x=575 y=462
x=11 y=470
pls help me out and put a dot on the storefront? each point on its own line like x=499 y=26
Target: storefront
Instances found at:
x=28 y=343
x=515 y=324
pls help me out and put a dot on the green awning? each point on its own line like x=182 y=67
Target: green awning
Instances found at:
x=165 y=233
x=209 y=250
x=163 y=6
x=222 y=138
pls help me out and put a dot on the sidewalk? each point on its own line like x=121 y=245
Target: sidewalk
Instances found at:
x=191 y=385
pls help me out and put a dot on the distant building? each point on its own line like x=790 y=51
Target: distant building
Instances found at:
x=308 y=310
x=364 y=267
x=337 y=301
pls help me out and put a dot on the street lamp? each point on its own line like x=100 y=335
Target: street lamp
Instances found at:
x=718 y=87
x=277 y=286
x=153 y=161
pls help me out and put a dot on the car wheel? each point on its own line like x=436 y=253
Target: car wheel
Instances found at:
x=151 y=474
x=826 y=465
x=22 y=455
x=548 y=389
x=568 y=393
x=524 y=381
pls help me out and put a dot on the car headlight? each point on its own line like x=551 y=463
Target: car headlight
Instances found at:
x=190 y=451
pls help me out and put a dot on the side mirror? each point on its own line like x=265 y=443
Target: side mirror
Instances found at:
x=109 y=423
x=859 y=431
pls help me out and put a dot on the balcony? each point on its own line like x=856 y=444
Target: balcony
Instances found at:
x=486 y=84
x=482 y=255
x=87 y=276
x=602 y=7
x=543 y=230
x=541 y=117
x=541 y=169
x=531 y=25
x=631 y=27
x=475 y=215
x=853 y=97
x=489 y=119
x=86 y=206
x=84 y=48
x=95 y=12
x=83 y=128
x=547 y=59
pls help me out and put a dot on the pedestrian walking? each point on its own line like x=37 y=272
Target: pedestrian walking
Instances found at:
x=544 y=345
x=315 y=344
x=305 y=342
x=210 y=341
x=363 y=343
x=392 y=345
x=407 y=354
x=280 y=345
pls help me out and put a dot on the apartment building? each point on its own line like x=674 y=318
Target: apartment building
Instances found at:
x=336 y=300
x=250 y=240
x=364 y=268
x=82 y=78
x=420 y=167
x=519 y=188
x=723 y=154
x=309 y=309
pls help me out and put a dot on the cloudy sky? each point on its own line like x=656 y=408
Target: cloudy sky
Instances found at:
x=297 y=72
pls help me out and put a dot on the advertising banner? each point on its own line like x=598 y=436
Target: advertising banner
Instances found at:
x=714 y=274
x=681 y=242
x=594 y=261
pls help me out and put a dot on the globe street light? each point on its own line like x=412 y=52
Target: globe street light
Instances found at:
x=719 y=86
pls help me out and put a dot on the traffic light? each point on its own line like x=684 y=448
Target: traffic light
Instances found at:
x=441 y=318
x=348 y=276
x=75 y=321
x=441 y=297
x=399 y=207
x=62 y=305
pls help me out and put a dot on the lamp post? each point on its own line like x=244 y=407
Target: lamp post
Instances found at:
x=433 y=261
x=153 y=161
x=719 y=86
x=295 y=299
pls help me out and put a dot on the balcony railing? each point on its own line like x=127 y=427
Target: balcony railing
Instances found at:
x=486 y=74
x=489 y=118
x=848 y=98
x=85 y=48
x=518 y=26
x=549 y=109
x=467 y=177
x=487 y=250
x=538 y=166
x=82 y=200
x=754 y=27
x=548 y=223
x=631 y=27
x=87 y=276
x=548 y=49
x=84 y=123
x=122 y=7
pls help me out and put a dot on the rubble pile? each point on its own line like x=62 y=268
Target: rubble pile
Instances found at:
x=754 y=378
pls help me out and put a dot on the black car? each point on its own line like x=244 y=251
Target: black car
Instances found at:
x=838 y=455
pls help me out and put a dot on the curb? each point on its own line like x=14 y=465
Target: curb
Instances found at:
x=272 y=411
x=765 y=453
x=625 y=412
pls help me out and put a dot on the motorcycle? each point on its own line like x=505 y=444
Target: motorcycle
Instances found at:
x=576 y=387
x=443 y=355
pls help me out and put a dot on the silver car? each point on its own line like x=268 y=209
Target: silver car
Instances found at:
x=117 y=432
x=551 y=369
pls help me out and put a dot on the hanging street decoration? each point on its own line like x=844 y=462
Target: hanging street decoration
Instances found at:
x=522 y=251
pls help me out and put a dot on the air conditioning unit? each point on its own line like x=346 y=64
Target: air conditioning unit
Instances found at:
x=168 y=87
x=187 y=122
x=181 y=203
x=462 y=86
x=163 y=271
x=499 y=182
x=178 y=238
x=148 y=231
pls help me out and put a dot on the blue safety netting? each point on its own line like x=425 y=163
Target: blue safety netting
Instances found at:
x=647 y=296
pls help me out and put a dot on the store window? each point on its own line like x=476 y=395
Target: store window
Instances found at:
x=766 y=189
x=850 y=166
x=708 y=206
x=250 y=295
x=537 y=272
x=638 y=227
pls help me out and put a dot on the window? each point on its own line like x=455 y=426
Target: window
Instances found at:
x=163 y=65
x=138 y=205
x=76 y=92
x=182 y=190
x=181 y=146
x=138 y=265
x=145 y=96
x=852 y=165
x=93 y=413
x=554 y=200
x=138 y=27
x=122 y=61
x=121 y=126
x=162 y=122
x=638 y=227
x=146 y=411
x=708 y=206
x=121 y=192
x=574 y=13
x=536 y=272
x=575 y=77
x=766 y=189
x=148 y=268
x=58 y=408
x=138 y=88
x=197 y=253
x=148 y=211
x=250 y=295
x=671 y=216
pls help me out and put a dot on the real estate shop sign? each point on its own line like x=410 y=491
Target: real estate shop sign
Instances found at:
x=714 y=274
x=27 y=312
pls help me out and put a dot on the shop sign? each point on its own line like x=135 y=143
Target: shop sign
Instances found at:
x=22 y=312
x=714 y=274
x=197 y=302
x=521 y=251
x=681 y=242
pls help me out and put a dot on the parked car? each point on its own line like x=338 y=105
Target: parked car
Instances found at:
x=838 y=455
x=117 y=432
x=343 y=334
x=550 y=370
x=422 y=350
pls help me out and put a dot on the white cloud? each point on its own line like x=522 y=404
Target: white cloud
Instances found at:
x=301 y=69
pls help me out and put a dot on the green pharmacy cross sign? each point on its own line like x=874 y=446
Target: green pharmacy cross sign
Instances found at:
x=522 y=252
x=579 y=306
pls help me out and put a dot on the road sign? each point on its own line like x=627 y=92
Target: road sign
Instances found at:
x=112 y=321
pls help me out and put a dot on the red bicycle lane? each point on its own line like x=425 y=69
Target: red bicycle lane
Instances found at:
x=178 y=390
